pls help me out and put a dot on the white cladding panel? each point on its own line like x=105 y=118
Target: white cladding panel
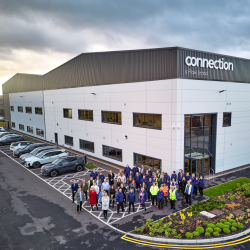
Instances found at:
x=199 y=97
x=27 y=99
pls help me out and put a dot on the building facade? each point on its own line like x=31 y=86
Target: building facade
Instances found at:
x=168 y=109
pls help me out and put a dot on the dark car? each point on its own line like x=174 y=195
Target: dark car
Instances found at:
x=64 y=164
x=8 y=139
x=29 y=148
x=2 y=134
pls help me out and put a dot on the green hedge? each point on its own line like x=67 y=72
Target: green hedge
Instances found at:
x=225 y=187
x=90 y=166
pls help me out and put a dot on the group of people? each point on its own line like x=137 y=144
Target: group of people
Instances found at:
x=155 y=187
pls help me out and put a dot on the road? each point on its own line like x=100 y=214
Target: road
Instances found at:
x=34 y=215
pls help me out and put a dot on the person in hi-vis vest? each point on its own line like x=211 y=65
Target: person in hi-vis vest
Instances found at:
x=173 y=196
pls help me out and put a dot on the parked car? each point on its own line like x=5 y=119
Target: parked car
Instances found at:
x=64 y=164
x=35 y=152
x=45 y=157
x=2 y=134
x=8 y=139
x=27 y=149
x=18 y=145
x=2 y=129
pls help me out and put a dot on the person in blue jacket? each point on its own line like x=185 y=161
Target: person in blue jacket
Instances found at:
x=179 y=174
x=131 y=174
x=161 y=181
x=173 y=183
x=147 y=175
x=94 y=174
x=131 y=200
x=179 y=182
x=201 y=185
x=150 y=172
x=101 y=177
x=189 y=192
x=127 y=170
x=173 y=176
x=196 y=185
x=167 y=177
x=120 y=199
x=137 y=181
x=193 y=179
x=143 y=198
x=143 y=180
x=160 y=198
x=168 y=184
x=149 y=184
x=135 y=170
x=188 y=177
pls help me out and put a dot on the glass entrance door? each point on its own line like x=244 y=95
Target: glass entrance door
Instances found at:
x=196 y=167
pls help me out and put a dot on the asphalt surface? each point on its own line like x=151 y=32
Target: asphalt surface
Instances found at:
x=35 y=215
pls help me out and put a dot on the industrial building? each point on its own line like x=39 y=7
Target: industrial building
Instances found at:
x=167 y=108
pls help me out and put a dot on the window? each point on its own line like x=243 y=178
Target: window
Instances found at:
x=147 y=161
x=86 y=145
x=13 y=125
x=85 y=115
x=30 y=129
x=28 y=110
x=38 y=111
x=20 y=109
x=147 y=121
x=67 y=113
x=226 y=119
x=40 y=132
x=114 y=153
x=68 y=140
x=112 y=117
x=11 y=108
x=21 y=127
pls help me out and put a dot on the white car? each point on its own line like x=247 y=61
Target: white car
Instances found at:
x=44 y=157
x=18 y=145
x=2 y=129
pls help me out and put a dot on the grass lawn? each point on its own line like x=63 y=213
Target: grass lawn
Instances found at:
x=225 y=187
x=90 y=166
x=1 y=107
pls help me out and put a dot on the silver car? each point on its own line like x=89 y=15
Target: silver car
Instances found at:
x=34 y=152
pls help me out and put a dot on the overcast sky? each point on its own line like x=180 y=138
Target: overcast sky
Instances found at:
x=39 y=35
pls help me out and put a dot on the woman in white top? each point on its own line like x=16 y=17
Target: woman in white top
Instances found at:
x=105 y=204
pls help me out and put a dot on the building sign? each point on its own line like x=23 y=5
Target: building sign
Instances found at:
x=205 y=63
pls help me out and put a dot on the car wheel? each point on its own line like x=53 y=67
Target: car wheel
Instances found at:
x=79 y=168
x=53 y=173
x=36 y=164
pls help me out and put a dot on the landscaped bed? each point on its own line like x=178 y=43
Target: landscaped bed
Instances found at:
x=232 y=210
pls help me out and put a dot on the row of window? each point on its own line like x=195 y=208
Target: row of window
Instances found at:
x=140 y=119
x=39 y=132
x=115 y=153
x=38 y=111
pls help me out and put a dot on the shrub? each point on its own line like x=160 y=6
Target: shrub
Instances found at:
x=223 y=220
x=209 y=230
x=178 y=236
x=211 y=225
x=220 y=225
x=231 y=221
x=200 y=230
x=189 y=235
x=196 y=234
x=217 y=234
x=226 y=230
x=240 y=226
x=217 y=229
x=207 y=234
x=174 y=232
x=233 y=229
x=235 y=224
x=205 y=223
x=227 y=223
x=226 y=226
x=167 y=233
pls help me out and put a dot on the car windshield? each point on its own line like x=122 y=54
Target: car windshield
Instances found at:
x=57 y=161
x=40 y=155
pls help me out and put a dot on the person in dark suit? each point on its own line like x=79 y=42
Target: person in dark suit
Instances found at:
x=74 y=188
